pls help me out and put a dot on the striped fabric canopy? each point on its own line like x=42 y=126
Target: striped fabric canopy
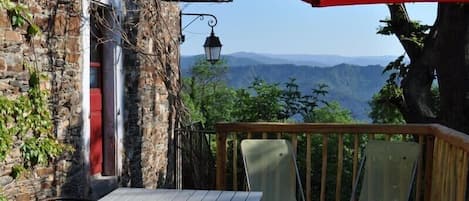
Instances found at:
x=323 y=3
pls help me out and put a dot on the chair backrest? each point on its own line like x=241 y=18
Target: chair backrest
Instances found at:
x=271 y=168
x=389 y=170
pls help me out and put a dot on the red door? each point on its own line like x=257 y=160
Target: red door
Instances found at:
x=96 y=138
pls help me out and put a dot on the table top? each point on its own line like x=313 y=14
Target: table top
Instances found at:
x=141 y=194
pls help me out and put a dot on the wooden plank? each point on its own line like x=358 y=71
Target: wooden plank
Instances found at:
x=183 y=195
x=417 y=129
x=254 y=196
x=428 y=167
x=198 y=196
x=464 y=175
x=437 y=173
x=294 y=143
x=159 y=195
x=324 y=168
x=453 y=137
x=418 y=184
x=451 y=165
x=221 y=161
x=340 y=164
x=226 y=196
x=235 y=162
x=308 y=167
x=356 y=149
x=240 y=196
x=387 y=137
x=212 y=196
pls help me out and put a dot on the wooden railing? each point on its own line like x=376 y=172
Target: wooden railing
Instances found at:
x=441 y=172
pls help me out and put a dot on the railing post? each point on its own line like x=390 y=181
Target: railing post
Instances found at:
x=428 y=167
x=221 y=161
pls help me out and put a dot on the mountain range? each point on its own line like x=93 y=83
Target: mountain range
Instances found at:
x=352 y=81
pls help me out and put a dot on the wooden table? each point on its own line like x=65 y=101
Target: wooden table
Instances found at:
x=140 y=194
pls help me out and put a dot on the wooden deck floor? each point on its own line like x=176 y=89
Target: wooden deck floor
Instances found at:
x=140 y=194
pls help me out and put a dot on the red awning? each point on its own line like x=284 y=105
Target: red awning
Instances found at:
x=322 y=3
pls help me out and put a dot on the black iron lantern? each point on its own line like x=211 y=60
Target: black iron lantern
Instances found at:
x=212 y=48
x=212 y=45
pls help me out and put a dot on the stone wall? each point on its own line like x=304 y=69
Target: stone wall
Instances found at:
x=56 y=52
x=152 y=94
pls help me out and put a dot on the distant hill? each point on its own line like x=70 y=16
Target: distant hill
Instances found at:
x=247 y=58
x=351 y=85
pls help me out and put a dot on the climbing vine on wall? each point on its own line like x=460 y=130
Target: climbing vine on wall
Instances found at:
x=26 y=121
x=19 y=16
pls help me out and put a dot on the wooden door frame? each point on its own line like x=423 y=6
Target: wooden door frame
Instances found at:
x=115 y=64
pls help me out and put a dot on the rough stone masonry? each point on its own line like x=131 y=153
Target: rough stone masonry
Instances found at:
x=151 y=97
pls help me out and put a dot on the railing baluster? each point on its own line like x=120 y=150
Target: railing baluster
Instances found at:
x=441 y=172
x=463 y=181
x=387 y=137
x=418 y=184
x=294 y=142
x=340 y=163
x=235 y=162
x=308 y=167
x=429 y=149
x=437 y=171
x=221 y=161
x=451 y=171
x=356 y=142
x=324 y=168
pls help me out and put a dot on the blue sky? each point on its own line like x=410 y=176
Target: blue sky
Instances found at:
x=294 y=27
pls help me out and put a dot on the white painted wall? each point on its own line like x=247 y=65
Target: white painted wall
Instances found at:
x=85 y=63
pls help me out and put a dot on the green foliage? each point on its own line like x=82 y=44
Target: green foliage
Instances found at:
x=3 y=198
x=293 y=102
x=208 y=100
x=20 y=15
x=383 y=106
x=206 y=96
x=260 y=102
x=27 y=119
x=17 y=170
x=330 y=113
x=418 y=31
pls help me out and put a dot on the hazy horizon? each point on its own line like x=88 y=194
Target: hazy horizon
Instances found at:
x=294 y=27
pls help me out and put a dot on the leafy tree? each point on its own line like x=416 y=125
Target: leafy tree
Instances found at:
x=382 y=108
x=206 y=96
x=438 y=50
x=330 y=113
x=260 y=102
x=291 y=99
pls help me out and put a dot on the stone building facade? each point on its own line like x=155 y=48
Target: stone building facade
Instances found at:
x=140 y=83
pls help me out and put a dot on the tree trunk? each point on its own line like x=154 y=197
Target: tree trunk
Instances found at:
x=418 y=82
x=446 y=50
x=452 y=59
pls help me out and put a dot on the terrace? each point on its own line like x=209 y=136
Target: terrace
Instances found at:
x=441 y=172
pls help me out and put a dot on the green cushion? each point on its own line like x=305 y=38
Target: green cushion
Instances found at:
x=270 y=168
x=389 y=170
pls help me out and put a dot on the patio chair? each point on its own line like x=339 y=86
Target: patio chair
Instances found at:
x=270 y=167
x=389 y=169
